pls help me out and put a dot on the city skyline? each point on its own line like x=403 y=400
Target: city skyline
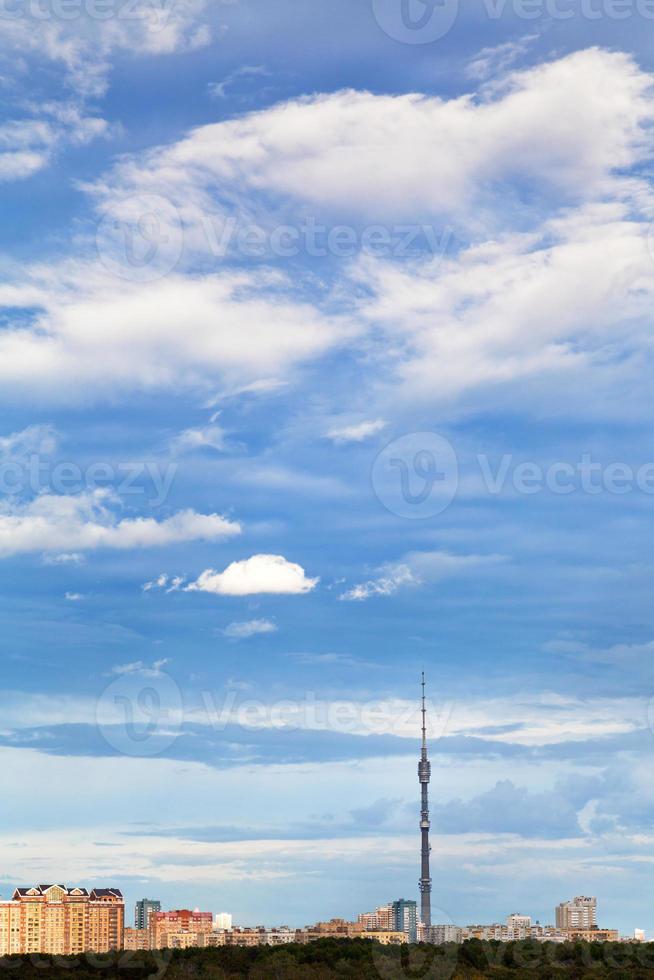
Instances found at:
x=58 y=919
x=324 y=360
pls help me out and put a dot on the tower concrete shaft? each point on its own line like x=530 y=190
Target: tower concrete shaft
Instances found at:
x=424 y=775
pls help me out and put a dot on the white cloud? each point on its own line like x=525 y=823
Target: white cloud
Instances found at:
x=498 y=59
x=219 y=90
x=181 y=331
x=74 y=596
x=357 y=431
x=211 y=436
x=41 y=440
x=27 y=145
x=82 y=46
x=571 y=299
x=139 y=667
x=252 y=627
x=52 y=523
x=261 y=574
x=418 y=568
x=72 y=558
x=567 y=125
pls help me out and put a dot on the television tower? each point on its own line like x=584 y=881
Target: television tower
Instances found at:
x=424 y=774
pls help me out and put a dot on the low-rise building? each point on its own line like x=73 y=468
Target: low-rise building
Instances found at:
x=441 y=934
x=136 y=939
x=593 y=935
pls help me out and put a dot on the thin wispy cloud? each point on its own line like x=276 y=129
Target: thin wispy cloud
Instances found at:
x=249 y=628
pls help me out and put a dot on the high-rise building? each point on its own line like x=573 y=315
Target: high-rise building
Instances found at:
x=405 y=918
x=179 y=929
x=222 y=920
x=399 y=916
x=382 y=918
x=579 y=913
x=517 y=921
x=60 y=920
x=424 y=775
x=142 y=911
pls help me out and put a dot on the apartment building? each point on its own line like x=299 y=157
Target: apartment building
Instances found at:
x=179 y=929
x=579 y=913
x=60 y=920
x=136 y=939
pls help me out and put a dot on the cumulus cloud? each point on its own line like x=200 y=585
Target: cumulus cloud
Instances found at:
x=89 y=521
x=418 y=568
x=261 y=574
x=357 y=431
x=252 y=627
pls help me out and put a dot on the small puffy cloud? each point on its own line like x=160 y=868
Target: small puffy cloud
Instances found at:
x=253 y=627
x=417 y=568
x=74 y=596
x=271 y=574
x=88 y=521
x=358 y=432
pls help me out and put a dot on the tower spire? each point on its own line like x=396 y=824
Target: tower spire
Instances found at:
x=424 y=775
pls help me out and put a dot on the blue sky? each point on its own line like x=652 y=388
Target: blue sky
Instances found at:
x=325 y=358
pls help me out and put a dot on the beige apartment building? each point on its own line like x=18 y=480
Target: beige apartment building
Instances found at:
x=136 y=939
x=579 y=913
x=59 y=920
x=179 y=929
